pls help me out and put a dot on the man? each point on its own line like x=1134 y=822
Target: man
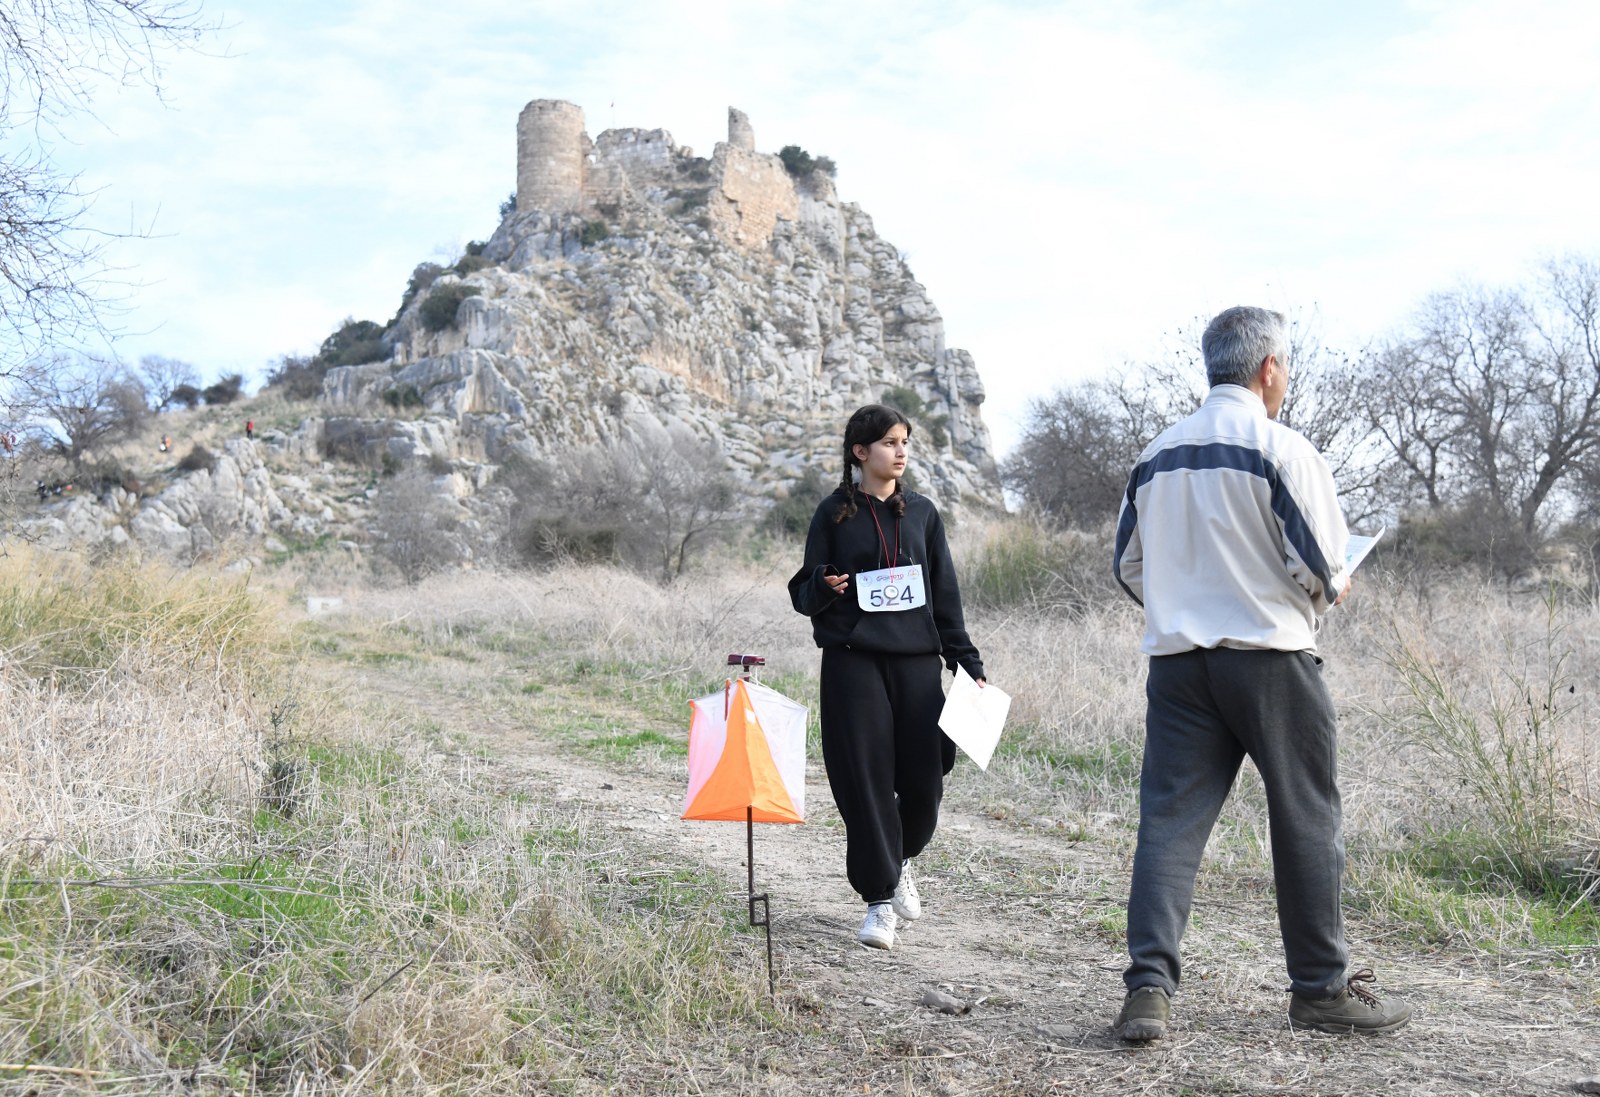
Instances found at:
x=1232 y=539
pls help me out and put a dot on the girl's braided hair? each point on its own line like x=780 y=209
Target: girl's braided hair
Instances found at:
x=865 y=427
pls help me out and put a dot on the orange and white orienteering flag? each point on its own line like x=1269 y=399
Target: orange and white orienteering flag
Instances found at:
x=747 y=750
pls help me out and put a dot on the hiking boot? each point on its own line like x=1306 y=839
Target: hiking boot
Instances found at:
x=1353 y=1009
x=1144 y=1015
x=878 y=929
x=907 y=903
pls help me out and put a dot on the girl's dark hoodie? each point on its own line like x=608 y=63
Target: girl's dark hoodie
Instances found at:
x=853 y=546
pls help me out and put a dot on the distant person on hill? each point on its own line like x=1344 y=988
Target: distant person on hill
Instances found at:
x=250 y=429
x=1232 y=540
x=166 y=443
x=882 y=645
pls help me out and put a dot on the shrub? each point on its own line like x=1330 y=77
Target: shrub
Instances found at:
x=298 y=377
x=226 y=390
x=593 y=232
x=197 y=459
x=791 y=515
x=439 y=310
x=691 y=200
x=101 y=478
x=1502 y=737
x=472 y=258
x=403 y=396
x=509 y=206
x=1023 y=564
x=419 y=528
x=906 y=400
x=801 y=164
x=348 y=440
x=354 y=343
x=422 y=277
x=187 y=395
x=1469 y=536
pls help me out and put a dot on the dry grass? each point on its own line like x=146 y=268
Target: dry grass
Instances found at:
x=215 y=875
x=130 y=698
x=220 y=873
x=1468 y=768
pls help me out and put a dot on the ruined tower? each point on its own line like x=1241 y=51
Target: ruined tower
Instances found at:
x=740 y=133
x=550 y=156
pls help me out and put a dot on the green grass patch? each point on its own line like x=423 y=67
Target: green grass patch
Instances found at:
x=346 y=765
x=1116 y=761
x=620 y=746
x=1445 y=901
x=293 y=549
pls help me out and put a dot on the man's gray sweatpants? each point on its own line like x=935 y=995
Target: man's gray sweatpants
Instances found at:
x=1206 y=710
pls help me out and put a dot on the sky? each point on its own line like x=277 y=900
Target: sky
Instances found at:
x=1077 y=184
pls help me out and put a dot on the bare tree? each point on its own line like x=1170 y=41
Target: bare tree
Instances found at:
x=1491 y=399
x=79 y=406
x=648 y=502
x=1322 y=404
x=1565 y=327
x=688 y=495
x=164 y=378
x=1404 y=410
x=419 y=527
x=55 y=57
x=1078 y=445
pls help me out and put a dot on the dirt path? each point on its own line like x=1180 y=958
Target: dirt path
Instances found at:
x=1020 y=924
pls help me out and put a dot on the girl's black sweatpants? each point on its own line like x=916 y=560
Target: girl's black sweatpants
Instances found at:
x=886 y=758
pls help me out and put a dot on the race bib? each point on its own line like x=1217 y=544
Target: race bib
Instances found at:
x=890 y=590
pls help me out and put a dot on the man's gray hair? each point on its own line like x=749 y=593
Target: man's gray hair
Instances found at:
x=1239 y=340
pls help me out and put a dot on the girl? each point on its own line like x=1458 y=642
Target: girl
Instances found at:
x=881 y=647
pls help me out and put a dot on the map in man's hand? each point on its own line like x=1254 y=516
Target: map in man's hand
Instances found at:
x=1358 y=547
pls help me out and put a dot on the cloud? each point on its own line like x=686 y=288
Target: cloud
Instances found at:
x=1070 y=180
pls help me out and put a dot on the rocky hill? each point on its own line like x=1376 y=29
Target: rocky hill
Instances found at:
x=636 y=293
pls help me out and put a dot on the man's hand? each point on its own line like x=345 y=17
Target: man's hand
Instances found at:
x=837 y=583
x=1345 y=593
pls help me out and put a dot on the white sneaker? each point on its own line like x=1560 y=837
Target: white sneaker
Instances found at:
x=878 y=929
x=907 y=903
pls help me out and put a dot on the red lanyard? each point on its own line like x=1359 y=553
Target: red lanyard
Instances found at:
x=884 y=541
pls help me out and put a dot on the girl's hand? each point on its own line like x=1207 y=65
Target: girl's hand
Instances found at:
x=982 y=682
x=837 y=583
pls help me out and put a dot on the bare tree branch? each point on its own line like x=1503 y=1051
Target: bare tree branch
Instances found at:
x=55 y=57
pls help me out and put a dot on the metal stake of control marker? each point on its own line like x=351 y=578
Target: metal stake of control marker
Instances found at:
x=750 y=663
x=747 y=760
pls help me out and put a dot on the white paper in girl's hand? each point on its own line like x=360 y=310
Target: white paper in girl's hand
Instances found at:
x=973 y=716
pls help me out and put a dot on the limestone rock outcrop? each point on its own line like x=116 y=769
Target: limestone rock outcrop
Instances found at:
x=640 y=288
x=635 y=293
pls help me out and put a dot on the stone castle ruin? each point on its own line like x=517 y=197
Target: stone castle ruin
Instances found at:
x=639 y=288
x=560 y=170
